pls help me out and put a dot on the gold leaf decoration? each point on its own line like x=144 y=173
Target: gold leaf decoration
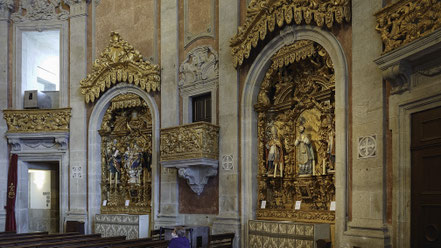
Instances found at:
x=264 y=15
x=295 y=132
x=196 y=140
x=127 y=101
x=119 y=63
x=126 y=156
x=405 y=21
x=37 y=120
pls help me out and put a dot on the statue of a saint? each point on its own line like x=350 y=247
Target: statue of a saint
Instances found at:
x=114 y=163
x=274 y=155
x=304 y=153
x=133 y=163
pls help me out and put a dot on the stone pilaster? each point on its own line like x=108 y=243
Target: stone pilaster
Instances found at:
x=170 y=105
x=368 y=225
x=228 y=219
x=78 y=126
x=5 y=8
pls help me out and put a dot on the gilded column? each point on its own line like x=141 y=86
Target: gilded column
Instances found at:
x=228 y=219
x=5 y=8
x=170 y=104
x=78 y=132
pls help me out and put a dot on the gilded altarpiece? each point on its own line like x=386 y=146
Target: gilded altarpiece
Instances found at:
x=296 y=135
x=126 y=152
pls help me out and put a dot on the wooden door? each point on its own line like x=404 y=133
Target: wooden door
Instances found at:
x=426 y=179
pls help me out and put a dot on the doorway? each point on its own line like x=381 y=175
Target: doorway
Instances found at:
x=43 y=202
x=425 y=178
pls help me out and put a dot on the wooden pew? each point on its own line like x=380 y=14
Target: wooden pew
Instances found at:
x=26 y=236
x=7 y=233
x=82 y=242
x=20 y=235
x=45 y=240
x=224 y=240
x=156 y=234
x=143 y=244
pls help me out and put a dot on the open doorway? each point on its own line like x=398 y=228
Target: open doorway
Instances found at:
x=43 y=202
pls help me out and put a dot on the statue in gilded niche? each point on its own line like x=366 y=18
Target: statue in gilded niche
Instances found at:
x=274 y=155
x=135 y=162
x=113 y=158
x=126 y=156
x=304 y=153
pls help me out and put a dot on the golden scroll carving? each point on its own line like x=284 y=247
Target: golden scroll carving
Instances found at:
x=196 y=140
x=296 y=124
x=119 y=63
x=263 y=16
x=407 y=20
x=37 y=120
x=126 y=156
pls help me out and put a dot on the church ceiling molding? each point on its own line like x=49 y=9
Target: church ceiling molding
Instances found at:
x=407 y=20
x=119 y=63
x=263 y=15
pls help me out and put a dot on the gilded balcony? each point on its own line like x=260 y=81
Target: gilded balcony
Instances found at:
x=193 y=149
x=37 y=120
x=192 y=141
x=30 y=129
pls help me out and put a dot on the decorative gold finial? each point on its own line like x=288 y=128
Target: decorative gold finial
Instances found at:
x=119 y=63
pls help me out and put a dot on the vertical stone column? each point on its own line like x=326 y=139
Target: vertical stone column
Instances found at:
x=5 y=7
x=229 y=219
x=368 y=225
x=170 y=105
x=78 y=126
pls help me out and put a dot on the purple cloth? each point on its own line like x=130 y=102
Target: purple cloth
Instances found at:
x=179 y=242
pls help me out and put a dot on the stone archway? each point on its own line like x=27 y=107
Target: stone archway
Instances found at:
x=94 y=144
x=255 y=76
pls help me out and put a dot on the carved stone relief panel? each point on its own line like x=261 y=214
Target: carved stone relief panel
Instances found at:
x=199 y=74
x=35 y=10
x=367 y=146
x=126 y=155
x=296 y=135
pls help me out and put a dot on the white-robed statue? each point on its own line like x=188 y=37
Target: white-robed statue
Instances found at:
x=304 y=153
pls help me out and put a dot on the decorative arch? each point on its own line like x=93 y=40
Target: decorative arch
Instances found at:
x=119 y=63
x=94 y=141
x=262 y=16
x=249 y=151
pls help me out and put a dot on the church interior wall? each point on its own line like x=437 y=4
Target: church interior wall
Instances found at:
x=372 y=189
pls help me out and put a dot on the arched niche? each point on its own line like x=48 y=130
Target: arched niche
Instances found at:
x=249 y=151
x=94 y=146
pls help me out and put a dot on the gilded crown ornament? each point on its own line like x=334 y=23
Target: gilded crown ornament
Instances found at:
x=263 y=15
x=119 y=63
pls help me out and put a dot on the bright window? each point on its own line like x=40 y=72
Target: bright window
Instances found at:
x=41 y=60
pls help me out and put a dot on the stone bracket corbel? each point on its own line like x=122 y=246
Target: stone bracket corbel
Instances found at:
x=398 y=75
x=399 y=64
x=195 y=171
x=15 y=144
